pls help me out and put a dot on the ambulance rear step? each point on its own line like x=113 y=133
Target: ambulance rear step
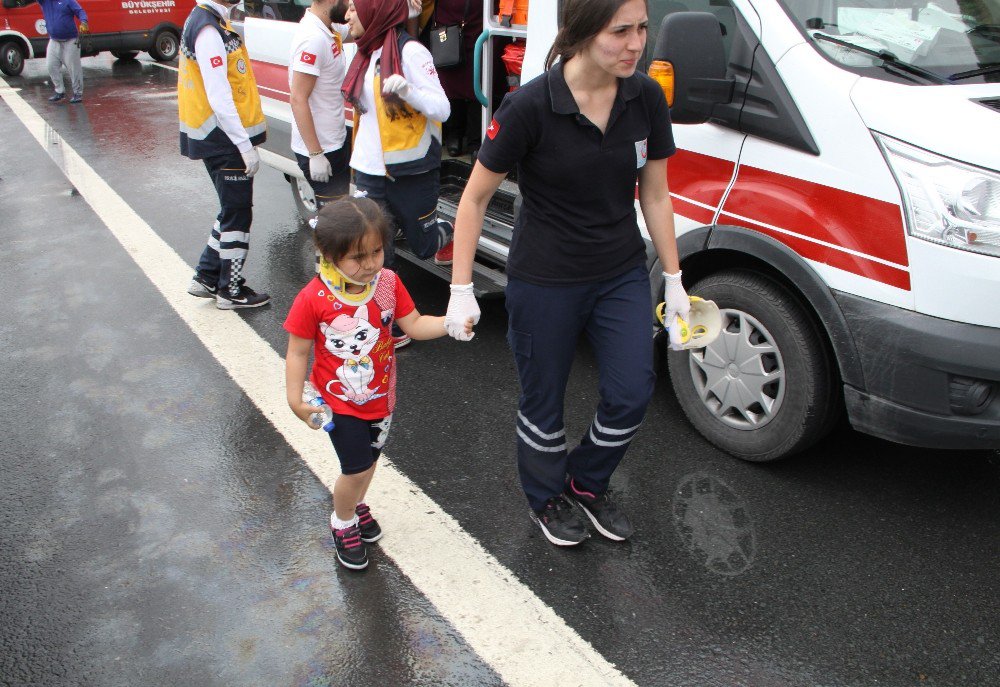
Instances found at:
x=488 y=277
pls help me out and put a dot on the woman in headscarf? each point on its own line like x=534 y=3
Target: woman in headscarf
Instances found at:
x=398 y=109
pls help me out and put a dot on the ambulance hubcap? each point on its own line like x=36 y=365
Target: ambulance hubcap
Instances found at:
x=12 y=56
x=740 y=377
x=306 y=194
x=167 y=44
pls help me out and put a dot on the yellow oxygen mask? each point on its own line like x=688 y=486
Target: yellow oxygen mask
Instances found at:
x=702 y=327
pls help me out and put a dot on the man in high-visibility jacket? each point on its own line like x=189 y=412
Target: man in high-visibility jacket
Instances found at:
x=221 y=123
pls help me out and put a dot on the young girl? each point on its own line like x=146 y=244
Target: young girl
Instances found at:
x=348 y=310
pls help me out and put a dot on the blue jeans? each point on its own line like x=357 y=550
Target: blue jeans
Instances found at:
x=544 y=329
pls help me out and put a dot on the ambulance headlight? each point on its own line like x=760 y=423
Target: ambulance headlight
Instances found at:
x=944 y=201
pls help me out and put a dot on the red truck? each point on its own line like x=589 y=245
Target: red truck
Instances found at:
x=122 y=27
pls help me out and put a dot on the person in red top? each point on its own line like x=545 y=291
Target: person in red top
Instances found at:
x=347 y=312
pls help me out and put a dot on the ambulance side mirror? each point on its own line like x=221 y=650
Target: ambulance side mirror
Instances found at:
x=692 y=43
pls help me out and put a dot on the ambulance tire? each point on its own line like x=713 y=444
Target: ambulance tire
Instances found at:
x=165 y=46
x=305 y=198
x=11 y=58
x=803 y=396
x=125 y=54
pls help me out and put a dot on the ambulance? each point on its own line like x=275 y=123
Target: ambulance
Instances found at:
x=837 y=194
x=123 y=27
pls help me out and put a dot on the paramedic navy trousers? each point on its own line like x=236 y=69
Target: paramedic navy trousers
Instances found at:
x=545 y=326
x=221 y=262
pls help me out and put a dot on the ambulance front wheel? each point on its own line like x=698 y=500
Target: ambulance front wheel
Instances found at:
x=766 y=387
x=11 y=58
x=165 y=46
x=305 y=198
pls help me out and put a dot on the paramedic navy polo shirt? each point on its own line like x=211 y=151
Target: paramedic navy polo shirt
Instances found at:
x=578 y=219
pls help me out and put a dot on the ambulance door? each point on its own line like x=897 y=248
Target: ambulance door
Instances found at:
x=704 y=166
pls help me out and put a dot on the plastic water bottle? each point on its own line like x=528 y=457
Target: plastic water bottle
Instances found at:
x=323 y=417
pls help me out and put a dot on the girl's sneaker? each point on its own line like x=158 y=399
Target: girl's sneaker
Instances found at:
x=367 y=525
x=350 y=549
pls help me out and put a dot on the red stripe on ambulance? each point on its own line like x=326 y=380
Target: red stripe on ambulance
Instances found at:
x=272 y=80
x=698 y=177
x=848 y=220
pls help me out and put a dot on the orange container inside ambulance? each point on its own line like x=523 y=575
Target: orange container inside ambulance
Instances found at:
x=837 y=194
x=123 y=27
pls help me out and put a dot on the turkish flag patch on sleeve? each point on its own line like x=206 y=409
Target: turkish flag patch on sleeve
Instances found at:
x=308 y=57
x=493 y=129
x=216 y=61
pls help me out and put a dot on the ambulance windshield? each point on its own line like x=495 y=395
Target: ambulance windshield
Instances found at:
x=941 y=41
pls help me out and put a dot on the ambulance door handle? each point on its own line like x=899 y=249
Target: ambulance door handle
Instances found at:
x=477 y=68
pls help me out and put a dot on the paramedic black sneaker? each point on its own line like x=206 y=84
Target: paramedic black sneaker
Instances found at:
x=77 y=98
x=559 y=522
x=367 y=525
x=607 y=517
x=201 y=288
x=351 y=552
x=56 y=97
x=245 y=298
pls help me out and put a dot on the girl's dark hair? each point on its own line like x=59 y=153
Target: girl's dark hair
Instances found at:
x=581 y=20
x=343 y=223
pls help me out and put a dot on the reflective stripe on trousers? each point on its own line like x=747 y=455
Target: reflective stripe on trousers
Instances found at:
x=226 y=250
x=545 y=326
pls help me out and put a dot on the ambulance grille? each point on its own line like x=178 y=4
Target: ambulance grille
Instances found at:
x=992 y=103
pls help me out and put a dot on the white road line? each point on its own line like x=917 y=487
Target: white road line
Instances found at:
x=509 y=627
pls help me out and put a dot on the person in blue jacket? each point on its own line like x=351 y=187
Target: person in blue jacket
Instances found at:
x=64 y=45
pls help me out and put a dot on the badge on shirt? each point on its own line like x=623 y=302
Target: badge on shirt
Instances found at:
x=308 y=57
x=493 y=129
x=216 y=61
x=640 y=153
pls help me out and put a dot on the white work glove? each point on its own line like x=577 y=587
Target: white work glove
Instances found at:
x=415 y=7
x=319 y=168
x=252 y=160
x=461 y=306
x=676 y=303
x=398 y=85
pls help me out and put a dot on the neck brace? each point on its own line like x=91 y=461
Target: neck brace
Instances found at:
x=337 y=282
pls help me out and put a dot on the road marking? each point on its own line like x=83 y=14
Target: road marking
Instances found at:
x=510 y=628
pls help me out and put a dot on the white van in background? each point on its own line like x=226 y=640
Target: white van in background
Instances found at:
x=837 y=192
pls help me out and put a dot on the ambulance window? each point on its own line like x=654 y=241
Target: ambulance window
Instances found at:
x=282 y=10
x=658 y=9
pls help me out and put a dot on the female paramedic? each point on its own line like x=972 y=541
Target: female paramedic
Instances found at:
x=581 y=136
x=398 y=109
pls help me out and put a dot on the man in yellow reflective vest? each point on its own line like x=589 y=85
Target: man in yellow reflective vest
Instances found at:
x=221 y=123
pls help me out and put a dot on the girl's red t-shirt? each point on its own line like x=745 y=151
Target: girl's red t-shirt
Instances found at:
x=355 y=362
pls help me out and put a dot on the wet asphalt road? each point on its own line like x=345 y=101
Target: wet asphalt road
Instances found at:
x=156 y=529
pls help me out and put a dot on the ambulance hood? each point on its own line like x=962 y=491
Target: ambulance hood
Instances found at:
x=950 y=120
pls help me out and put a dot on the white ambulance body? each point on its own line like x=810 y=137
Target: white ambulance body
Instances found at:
x=837 y=193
